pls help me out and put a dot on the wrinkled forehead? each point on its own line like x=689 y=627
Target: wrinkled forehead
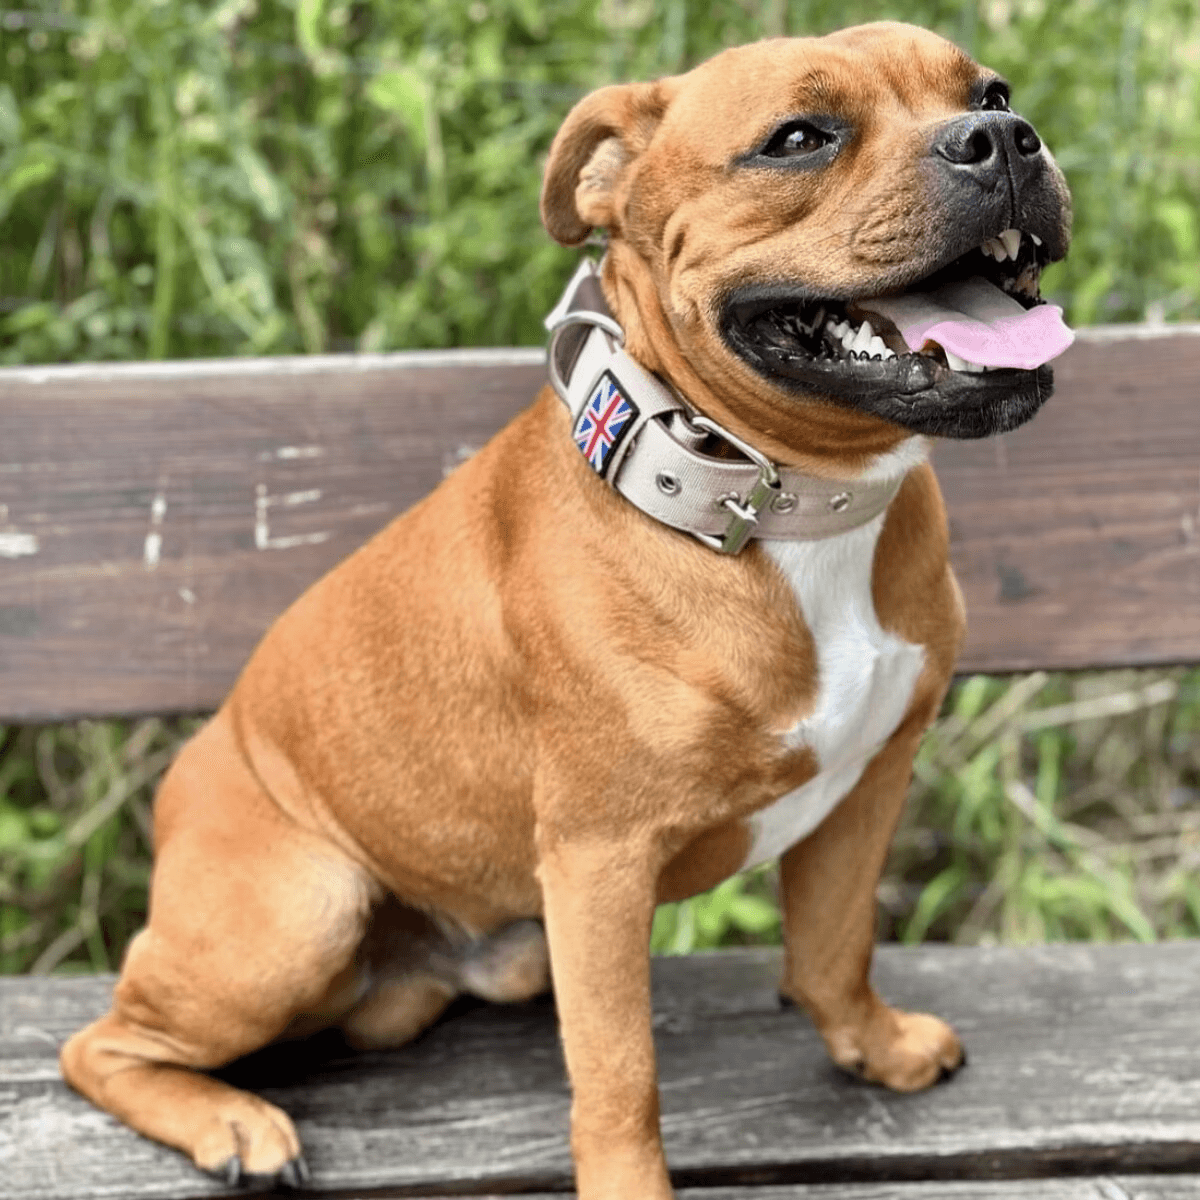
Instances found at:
x=865 y=70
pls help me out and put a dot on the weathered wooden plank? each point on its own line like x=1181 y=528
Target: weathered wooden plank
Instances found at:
x=155 y=517
x=1084 y=1062
x=1095 y=1187
x=1077 y=538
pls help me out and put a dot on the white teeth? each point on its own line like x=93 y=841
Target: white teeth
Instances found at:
x=961 y=364
x=1037 y=241
x=1012 y=242
x=862 y=339
x=999 y=249
x=859 y=341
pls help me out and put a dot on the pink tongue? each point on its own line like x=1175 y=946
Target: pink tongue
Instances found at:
x=979 y=322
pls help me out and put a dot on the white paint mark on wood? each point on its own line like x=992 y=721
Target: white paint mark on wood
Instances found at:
x=17 y=545
x=187 y=595
x=309 y=497
x=291 y=452
x=296 y=539
x=369 y=510
x=152 y=549
x=263 y=503
x=262 y=530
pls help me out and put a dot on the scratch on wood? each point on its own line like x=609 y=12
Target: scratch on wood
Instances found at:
x=262 y=525
x=296 y=539
x=152 y=550
x=17 y=545
x=289 y=452
x=309 y=497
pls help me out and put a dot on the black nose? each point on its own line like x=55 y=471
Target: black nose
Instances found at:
x=988 y=146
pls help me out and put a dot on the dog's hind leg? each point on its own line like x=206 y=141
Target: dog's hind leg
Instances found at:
x=254 y=922
x=413 y=985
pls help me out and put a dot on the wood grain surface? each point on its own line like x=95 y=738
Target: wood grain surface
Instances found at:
x=1084 y=1069
x=154 y=518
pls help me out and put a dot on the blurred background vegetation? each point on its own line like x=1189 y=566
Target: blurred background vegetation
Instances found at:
x=183 y=178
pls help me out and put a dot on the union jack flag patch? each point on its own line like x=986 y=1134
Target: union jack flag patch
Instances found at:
x=606 y=418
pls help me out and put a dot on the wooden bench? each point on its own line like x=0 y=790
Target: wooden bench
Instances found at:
x=153 y=520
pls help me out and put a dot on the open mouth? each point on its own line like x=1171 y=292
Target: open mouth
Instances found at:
x=885 y=354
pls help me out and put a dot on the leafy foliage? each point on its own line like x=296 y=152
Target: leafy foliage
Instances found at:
x=257 y=176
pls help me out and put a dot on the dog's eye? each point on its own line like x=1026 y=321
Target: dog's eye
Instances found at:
x=795 y=139
x=995 y=98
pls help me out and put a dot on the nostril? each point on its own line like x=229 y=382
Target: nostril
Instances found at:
x=965 y=147
x=981 y=147
x=1026 y=139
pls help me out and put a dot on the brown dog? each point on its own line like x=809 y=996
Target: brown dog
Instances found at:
x=531 y=697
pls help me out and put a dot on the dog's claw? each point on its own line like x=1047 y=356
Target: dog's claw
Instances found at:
x=294 y=1174
x=950 y=1072
x=229 y=1172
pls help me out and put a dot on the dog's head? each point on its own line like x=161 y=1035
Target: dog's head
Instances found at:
x=757 y=205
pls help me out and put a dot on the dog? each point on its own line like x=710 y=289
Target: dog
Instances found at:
x=695 y=617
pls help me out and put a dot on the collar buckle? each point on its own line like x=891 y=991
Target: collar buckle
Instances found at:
x=744 y=513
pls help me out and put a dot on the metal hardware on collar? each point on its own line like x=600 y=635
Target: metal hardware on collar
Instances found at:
x=667 y=483
x=783 y=503
x=581 y=317
x=841 y=502
x=744 y=520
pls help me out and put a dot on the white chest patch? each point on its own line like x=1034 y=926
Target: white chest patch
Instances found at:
x=865 y=680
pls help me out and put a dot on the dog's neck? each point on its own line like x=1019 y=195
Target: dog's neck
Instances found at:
x=675 y=463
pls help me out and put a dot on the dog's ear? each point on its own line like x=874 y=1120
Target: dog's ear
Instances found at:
x=591 y=154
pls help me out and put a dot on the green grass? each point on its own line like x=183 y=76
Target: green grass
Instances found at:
x=187 y=178
x=1044 y=807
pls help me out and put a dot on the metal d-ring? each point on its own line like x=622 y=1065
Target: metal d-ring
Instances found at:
x=582 y=316
x=743 y=513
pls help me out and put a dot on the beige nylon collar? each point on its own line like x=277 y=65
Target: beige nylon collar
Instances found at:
x=646 y=443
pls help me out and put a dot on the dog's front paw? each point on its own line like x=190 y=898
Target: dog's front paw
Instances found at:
x=901 y=1050
x=250 y=1143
